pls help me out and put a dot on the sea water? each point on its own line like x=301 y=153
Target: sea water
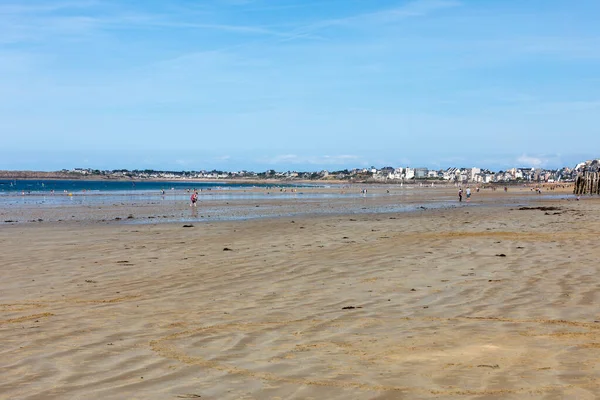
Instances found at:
x=41 y=186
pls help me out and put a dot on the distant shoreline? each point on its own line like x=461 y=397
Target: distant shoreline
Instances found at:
x=40 y=175
x=99 y=178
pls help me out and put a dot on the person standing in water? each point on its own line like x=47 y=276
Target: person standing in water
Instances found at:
x=460 y=194
x=194 y=199
x=468 y=194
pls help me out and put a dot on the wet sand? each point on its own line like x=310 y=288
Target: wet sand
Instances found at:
x=141 y=207
x=485 y=301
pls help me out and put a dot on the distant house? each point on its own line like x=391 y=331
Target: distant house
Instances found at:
x=421 y=173
x=473 y=172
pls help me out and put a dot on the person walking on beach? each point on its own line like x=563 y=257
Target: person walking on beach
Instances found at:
x=468 y=194
x=194 y=199
x=460 y=194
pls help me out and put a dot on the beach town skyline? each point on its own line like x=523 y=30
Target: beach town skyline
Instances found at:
x=56 y=161
x=368 y=174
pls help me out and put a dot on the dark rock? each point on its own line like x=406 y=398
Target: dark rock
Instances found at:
x=540 y=208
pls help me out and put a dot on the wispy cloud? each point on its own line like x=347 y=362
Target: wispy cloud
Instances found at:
x=42 y=21
x=539 y=161
x=8 y=9
x=529 y=160
x=184 y=163
x=293 y=159
x=36 y=22
x=417 y=8
x=236 y=2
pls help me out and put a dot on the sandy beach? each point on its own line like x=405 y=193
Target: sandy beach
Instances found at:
x=496 y=299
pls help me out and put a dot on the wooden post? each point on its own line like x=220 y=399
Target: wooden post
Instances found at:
x=587 y=182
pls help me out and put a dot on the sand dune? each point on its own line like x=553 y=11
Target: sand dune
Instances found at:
x=474 y=303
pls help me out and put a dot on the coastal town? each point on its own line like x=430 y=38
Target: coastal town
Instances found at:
x=364 y=175
x=451 y=175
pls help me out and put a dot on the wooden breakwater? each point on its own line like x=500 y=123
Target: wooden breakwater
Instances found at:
x=587 y=182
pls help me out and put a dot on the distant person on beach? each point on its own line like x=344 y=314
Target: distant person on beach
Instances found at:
x=460 y=194
x=468 y=193
x=194 y=199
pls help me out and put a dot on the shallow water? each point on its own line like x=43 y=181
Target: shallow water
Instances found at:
x=235 y=203
x=81 y=185
x=115 y=197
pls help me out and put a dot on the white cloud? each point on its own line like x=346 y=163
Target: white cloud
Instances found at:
x=293 y=159
x=14 y=9
x=531 y=161
x=42 y=22
x=183 y=162
x=237 y=2
x=417 y=8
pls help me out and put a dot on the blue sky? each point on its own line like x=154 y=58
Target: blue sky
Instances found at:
x=298 y=85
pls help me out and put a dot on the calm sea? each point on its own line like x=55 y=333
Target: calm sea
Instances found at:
x=19 y=193
x=79 y=186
